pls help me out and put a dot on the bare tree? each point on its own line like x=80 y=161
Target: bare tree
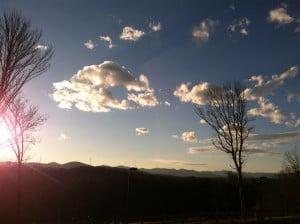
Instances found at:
x=291 y=161
x=22 y=57
x=22 y=120
x=226 y=114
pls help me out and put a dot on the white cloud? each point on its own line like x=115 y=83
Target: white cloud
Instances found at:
x=177 y=162
x=108 y=41
x=265 y=141
x=42 y=47
x=280 y=16
x=63 y=137
x=297 y=29
x=263 y=89
x=90 y=89
x=240 y=26
x=203 y=32
x=292 y=96
x=167 y=103
x=90 y=45
x=268 y=110
x=197 y=95
x=260 y=151
x=146 y=99
x=200 y=149
x=232 y=6
x=202 y=121
x=131 y=34
x=189 y=136
x=141 y=131
x=155 y=27
x=293 y=122
x=175 y=136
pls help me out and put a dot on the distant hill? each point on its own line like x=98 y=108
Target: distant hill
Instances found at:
x=156 y=171
x=203 y=174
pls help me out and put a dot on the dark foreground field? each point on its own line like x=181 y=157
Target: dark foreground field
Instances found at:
x=103 y=194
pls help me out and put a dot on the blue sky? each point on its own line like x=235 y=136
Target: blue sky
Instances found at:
x=125 y=75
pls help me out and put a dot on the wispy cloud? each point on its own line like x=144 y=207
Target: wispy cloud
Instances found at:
x=141 y=131
x=155 y=27
x=291 y=137
x=108 y=41
x=90 y=89
x=63 y=137
x=293 y=95
x=201 y=149
x=268 y=110
x=178 y=162
x=42 y=47
x=202 y=33
x=131 y=34
x=240 y=26
x=264 y=88
x=90 y=45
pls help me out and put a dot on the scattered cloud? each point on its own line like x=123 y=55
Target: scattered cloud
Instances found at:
x=297 y=29
x=155 y=27
x=63 y=137
x=263 y=89
x=146 y=99
x=257 y=151
x=200 y=149
x=177 y=162
x=189 y=136
x=202 y=121
x=203 y=32
x=42 y=47
x=167 y=103
x=293 y=122
x=131 y=34
x=268 y=110
x=280 y=15
x=108 y=41
x=175 y=136
x=275 y=139
x=295 y=96
x=141 y=131
x=90 y=89
x=232 y=6
x=90 y=45
x=240 y=26
x=198 y=93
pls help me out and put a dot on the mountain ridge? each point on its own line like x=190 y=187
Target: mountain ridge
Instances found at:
x=155 y=171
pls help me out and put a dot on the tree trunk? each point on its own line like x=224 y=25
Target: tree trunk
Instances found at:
x=19 y=193
x=241 y=194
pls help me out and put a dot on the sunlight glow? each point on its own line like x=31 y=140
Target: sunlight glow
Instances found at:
x=5 y=134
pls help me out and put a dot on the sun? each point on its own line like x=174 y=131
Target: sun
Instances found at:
x=5 y=134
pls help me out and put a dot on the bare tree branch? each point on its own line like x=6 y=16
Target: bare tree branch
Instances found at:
x=20 y=58
x=226 y=114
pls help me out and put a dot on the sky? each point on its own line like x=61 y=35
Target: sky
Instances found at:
x=125 y=75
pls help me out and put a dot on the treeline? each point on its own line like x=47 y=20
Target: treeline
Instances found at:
x=83 y=194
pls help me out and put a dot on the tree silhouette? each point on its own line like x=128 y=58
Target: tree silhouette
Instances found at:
x=22 y=120
x=226 y=114
x=291 y=162
x=22 y=57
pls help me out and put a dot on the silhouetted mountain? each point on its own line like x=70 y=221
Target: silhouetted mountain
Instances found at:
x=157 y=171
x=79 y=193
x=203 y=174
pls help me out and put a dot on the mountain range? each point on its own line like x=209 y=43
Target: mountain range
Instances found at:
x=154 y=171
